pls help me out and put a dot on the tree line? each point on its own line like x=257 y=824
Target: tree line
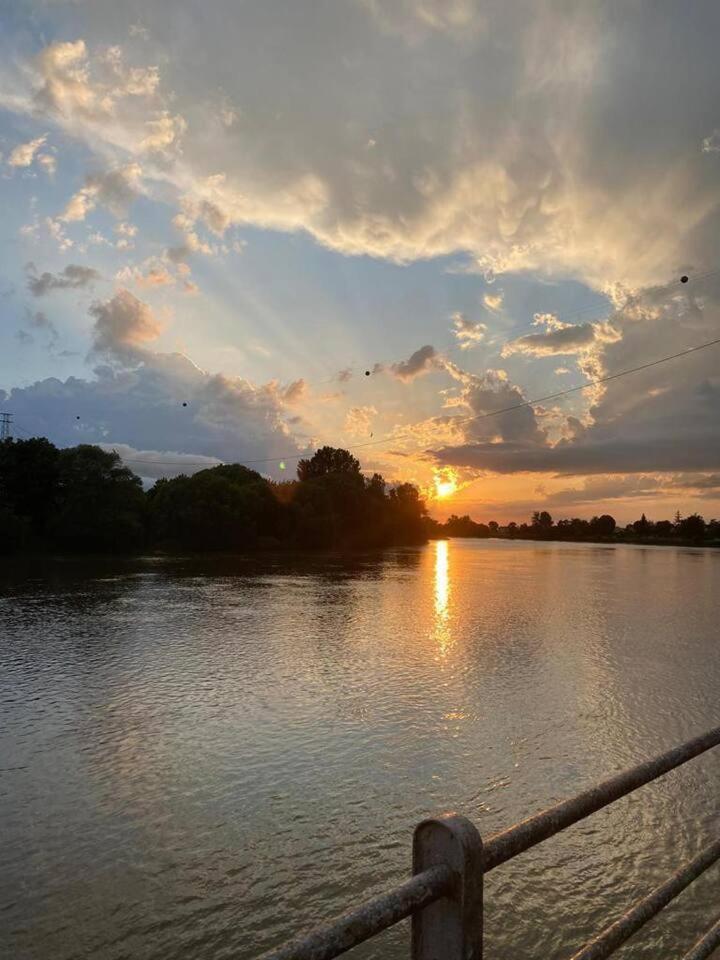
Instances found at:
x=83 y=499
x=690 y=529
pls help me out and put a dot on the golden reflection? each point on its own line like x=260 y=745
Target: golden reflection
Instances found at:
x=441 y=625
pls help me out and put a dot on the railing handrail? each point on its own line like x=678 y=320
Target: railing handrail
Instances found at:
x=622 y=929
x=430 y=885
x=372 y=917
x=509 y=843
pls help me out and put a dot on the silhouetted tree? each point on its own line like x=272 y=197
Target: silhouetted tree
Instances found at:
x=712 y=530
x=328 y=460
x=465 y=527
x=542 y=524
x=83 y=498
x=29 y=471
x=692 y=527
x=603 y=526
x=99 y=504
x=224 y=508
x=642 y=526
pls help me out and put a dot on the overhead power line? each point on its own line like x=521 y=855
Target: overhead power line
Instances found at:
x=393 y=438
x=679 y=284
x=599 y=304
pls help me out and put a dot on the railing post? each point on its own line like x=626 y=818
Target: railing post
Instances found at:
x=452 y=927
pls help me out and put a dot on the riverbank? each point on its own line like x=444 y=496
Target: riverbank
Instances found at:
x=614 y=541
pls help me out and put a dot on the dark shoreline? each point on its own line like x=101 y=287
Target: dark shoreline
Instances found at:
x=610 y=541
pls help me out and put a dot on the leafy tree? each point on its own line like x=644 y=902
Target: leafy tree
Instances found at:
x=328 y=460
x=542 y=519
x=465 y=527
x=375 y=486
x=692 y=527
x=407 y=512
x=100 y=504
x=642 y=526
x=603 y=526
x=542 y=524
x=29 y=473
x=224 y=508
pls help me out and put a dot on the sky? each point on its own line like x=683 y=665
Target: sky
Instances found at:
x=238 y=230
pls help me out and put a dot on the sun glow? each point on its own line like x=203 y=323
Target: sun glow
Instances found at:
x=445 y=485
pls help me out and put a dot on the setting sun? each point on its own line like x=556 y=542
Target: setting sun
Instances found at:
x=445 y=486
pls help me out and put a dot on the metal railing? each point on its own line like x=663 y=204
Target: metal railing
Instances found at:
x=444 y=896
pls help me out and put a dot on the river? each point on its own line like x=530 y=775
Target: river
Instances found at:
x=199 y=759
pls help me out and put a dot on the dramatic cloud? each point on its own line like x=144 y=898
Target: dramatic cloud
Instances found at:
x=152 y=273
x=115 y=189
x=568 y=339
x=420 y=362
x=81 y=90
x=484 y=401
x=468 y=332
x=526 y=158
x=295 y=392
x=561 y=338
x=24 y=154
x=589 y=457
x=493 y=301
x=123 y=325
x=358 y=420
x=532 y=139
x=163 y=133
x=661 y=419
x=73 y=277
x=166 y=403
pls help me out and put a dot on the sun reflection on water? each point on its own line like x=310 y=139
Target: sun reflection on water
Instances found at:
x=441 y=625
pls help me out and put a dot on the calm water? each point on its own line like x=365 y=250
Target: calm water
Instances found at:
x=197 y=761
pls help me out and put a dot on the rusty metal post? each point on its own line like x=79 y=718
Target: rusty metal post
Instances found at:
x=450 y=928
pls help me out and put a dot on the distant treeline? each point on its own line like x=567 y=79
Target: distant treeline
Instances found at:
x=691 y=529
x=83 y=499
